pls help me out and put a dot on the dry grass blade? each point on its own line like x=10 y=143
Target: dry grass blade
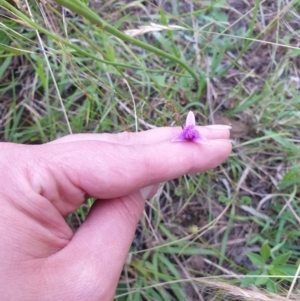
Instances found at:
x=241 y=294
x=151 y=28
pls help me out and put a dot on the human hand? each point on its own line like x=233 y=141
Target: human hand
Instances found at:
x=41 y=258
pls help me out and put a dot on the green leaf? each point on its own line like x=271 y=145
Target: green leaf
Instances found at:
x=223 y=199
x=250 y=280
x=4 y=65
x=291 y=177
x=256 y=259
x=284 y=142
x=281 y=259
x=261 y=280
x=289 y=269
x=277 y=272
x=246 y=200
x=271 y=286
x=265 y=251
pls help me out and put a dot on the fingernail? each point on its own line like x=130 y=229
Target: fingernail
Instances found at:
x=146 y=191
x=229 y=140
x=218 y=126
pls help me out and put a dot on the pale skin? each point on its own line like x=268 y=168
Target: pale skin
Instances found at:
x=40 y=257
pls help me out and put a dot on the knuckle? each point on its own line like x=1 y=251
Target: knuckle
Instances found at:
x=124 y=137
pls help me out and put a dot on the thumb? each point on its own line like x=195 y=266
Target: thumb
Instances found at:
x=103 y=240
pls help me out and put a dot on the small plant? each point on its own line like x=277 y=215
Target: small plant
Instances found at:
x=271 y=270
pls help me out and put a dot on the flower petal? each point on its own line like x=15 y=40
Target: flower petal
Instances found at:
x=190 y=119
x=200 y=139
x=190 y=132
x=179 y=138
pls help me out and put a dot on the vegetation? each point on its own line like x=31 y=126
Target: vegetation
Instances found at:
x=230 y=233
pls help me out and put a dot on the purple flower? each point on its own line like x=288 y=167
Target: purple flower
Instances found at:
x=190 y=132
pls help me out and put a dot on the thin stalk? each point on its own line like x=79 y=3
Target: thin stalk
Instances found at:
x=83 y=10
x=58 y=39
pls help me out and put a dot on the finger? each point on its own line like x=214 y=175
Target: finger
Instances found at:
x=106 y=170
x=103 y=240
x=146 y=137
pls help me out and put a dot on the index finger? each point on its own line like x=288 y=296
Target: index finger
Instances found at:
x=156 y=135
x=108 y=170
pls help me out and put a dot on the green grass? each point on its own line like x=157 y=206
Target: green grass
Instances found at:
x=236 y=61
